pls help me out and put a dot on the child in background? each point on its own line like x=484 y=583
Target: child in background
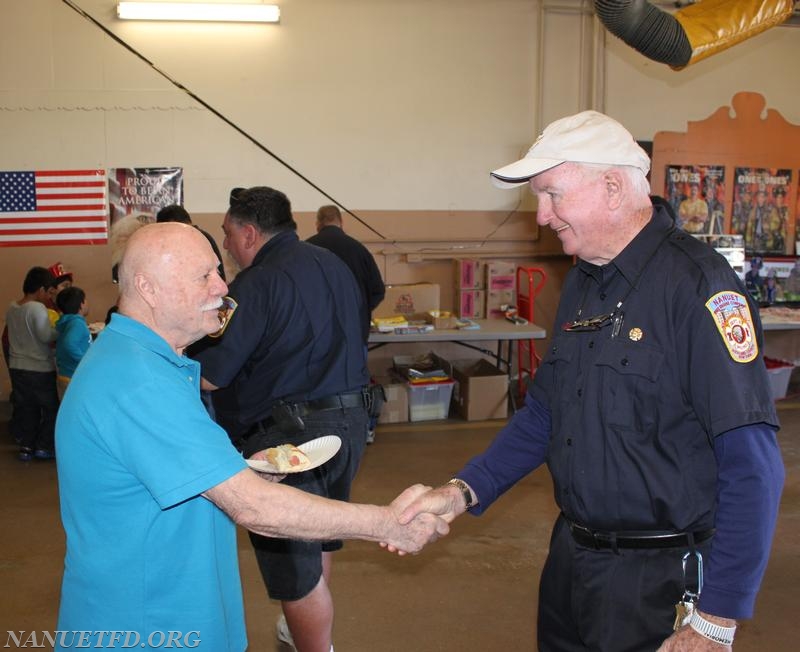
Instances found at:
x=62 y=279
x=73 y=334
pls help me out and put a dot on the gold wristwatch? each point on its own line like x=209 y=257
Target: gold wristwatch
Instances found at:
x=464 y=489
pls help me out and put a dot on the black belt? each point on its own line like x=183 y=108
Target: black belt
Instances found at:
x=288 y=415
x=637 y=539
x=334 y=402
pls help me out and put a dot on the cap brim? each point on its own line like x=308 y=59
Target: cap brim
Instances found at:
x=519 y=173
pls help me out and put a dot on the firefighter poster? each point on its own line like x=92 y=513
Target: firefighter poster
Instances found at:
x=697 y=195
x=761 y=210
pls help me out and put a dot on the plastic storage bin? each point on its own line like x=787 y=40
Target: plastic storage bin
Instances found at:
x=428 y=401
x=779 y=372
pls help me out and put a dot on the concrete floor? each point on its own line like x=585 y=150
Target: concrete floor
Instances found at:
x=473 y=591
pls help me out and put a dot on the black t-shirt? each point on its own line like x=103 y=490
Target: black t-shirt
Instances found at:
x=361 y=263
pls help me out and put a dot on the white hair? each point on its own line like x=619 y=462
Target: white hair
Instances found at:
x=638 y=185
x=122 y=230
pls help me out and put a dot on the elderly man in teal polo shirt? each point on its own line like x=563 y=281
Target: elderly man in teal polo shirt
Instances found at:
x=151 y=488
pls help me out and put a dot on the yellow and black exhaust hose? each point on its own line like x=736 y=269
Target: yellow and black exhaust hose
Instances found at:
x=693 y=32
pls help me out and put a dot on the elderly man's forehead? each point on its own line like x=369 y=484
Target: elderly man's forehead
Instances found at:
x=162 y=243
x=549 y=176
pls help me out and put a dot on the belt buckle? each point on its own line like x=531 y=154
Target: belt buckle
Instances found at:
x=585 y=531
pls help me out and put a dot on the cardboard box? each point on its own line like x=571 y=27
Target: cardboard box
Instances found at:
x=501 y=275
x=496 y=299
x=471 y=304
x=395 y=410
x=429 y=401
x=481 y=392
x=441 y=319
x=411 y=300
x=470 y=273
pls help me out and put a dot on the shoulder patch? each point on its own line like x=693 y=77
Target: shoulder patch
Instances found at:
x=225 y=314
x=731 y=314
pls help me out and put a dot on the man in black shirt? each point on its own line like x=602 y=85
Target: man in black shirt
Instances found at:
x=331 y=236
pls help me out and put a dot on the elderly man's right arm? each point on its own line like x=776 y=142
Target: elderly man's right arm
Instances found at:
x=276 y=510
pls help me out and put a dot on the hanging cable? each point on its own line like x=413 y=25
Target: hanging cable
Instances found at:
x=210 y=108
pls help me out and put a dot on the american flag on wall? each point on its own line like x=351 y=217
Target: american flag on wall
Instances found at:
x=54 y=207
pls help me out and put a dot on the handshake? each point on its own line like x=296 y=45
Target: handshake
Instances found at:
x=421 y=515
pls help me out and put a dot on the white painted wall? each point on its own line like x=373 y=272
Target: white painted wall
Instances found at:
x=650 y=96
x=385 y=104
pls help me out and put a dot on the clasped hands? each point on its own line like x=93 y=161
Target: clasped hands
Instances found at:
x=424 y=514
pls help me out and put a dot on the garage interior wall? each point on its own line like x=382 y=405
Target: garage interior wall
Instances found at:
x=396 y=110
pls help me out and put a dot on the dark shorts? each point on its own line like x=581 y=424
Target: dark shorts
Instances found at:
x=291 y=569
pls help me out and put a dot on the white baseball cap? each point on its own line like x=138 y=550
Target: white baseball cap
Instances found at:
x=586 y=137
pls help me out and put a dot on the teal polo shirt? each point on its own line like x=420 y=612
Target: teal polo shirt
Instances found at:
x=146 y=553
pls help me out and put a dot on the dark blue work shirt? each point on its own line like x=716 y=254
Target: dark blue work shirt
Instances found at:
x=295 y=335
x=634 y=413
x=360 y=261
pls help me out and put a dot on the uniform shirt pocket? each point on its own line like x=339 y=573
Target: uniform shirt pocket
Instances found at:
x=629 y=391
x=557 y=368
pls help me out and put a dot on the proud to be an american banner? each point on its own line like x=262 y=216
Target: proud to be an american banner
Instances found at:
x=53 y=207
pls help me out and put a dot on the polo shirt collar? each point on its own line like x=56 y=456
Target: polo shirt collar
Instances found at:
x=147 y=338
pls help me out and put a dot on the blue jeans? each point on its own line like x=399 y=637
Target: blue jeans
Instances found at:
x=35 y=408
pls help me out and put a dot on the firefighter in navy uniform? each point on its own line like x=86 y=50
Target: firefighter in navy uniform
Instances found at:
x=288 y=366
x=652 y=410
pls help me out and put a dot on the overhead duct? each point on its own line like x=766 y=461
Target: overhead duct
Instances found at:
x=692 y=33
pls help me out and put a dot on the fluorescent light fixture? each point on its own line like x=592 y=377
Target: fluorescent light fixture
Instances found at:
x=210 y=11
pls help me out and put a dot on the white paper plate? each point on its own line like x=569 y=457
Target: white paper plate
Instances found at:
x=319 y=451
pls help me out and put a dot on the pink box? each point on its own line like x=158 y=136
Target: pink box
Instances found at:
x=469 y=273
x=501 y=275
x=471 y=304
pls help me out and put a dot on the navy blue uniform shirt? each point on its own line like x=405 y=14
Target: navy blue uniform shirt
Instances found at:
x=634 y=414
x=665 y=425
x=295 y=335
